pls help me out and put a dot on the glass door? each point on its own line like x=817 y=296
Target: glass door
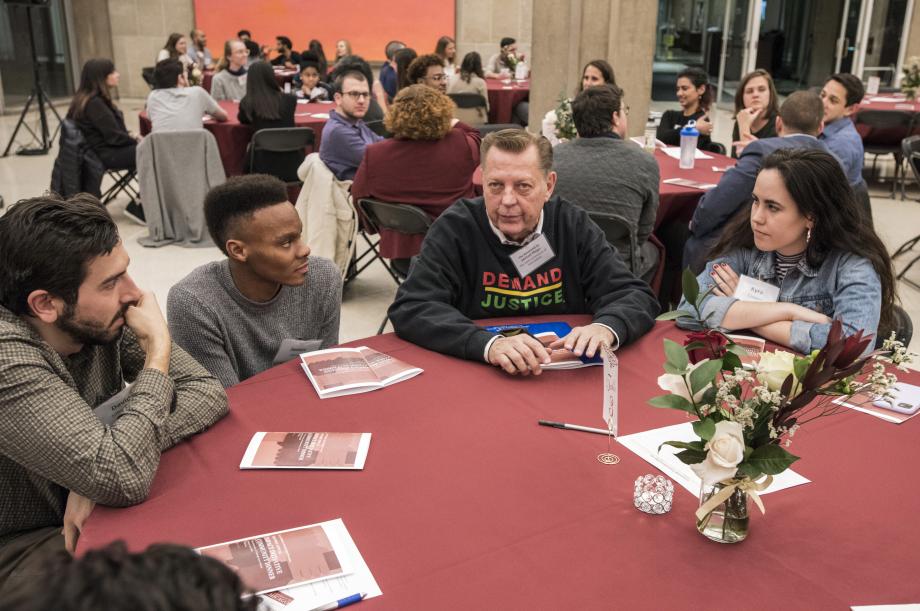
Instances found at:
x=849 y=30
x=739 y=46
x=884 y=27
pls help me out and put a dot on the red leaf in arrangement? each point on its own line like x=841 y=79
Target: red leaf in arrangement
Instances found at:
x=714 y=345
x=853 y=348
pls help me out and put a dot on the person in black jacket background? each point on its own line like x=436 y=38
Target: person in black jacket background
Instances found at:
x=102 y=123
x=266 y=106
x=694 y=94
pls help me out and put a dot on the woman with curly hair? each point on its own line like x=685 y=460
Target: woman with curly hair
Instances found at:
x=429 y=162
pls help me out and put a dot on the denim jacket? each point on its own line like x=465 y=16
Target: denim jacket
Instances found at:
x=845 y=286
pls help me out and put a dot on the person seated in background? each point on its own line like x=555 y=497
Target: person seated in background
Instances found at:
x=403 y=59
x=841 y=95
x=798 y=125
x=103 y=124
x=311 y=88
x=198 y=51
x=287 y=56
x=601 y=171
x=345 y=135
x=266 y=106
x=164 y=576
x=804 y=235
x=505 y=60
x=388 y=78
x=176 y=48
x=230 y=81
x=694 y=94
x=446 y=49
x=756 y=105
x=342 y=50
x=465 y=270
x=375 y=110
x=255 y=51
x=428 y=70
x=596 y=72
x=269 y=300
x=317 y=47
x=471 y=80
x=73 y=330
x=173 y=105
x=429 y=162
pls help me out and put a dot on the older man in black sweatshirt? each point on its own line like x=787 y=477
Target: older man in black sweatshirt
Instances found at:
x=518 y=252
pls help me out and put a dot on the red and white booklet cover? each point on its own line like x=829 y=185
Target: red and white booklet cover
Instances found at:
x=346 y=371
x=285 y=558
x=306 y=451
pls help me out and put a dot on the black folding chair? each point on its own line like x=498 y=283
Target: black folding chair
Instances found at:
x=882 y=132
x=717 y=147
x=404 y=218
x=494 y=127
x=910 y=149
x=618 y=231
x=902 y=326
x=123 y=181
x=279 y=151
x=468 y=100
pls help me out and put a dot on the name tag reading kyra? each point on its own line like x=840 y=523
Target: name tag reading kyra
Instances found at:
x=751 y=289
x=530 y=257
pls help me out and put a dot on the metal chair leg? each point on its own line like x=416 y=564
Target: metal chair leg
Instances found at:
x=906 y=247
x=383 y=325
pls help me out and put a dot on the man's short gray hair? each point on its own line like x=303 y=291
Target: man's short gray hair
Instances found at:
x=518 y=141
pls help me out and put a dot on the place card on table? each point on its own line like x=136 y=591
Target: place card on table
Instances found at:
x=693 y=184
x=645 y=446
x=674 y=151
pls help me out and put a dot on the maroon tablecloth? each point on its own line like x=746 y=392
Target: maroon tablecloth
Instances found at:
x=466 y=503
x=885 y=101
x=233 y=137
x=677 y=202
x=281 y=76
x=504 y=95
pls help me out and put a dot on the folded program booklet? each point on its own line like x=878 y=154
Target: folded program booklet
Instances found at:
x=306 y=451
x=285 y=558
x=548 y=332
x=346 y=371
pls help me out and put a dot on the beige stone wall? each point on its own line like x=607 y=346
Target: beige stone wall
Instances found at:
x=131 y=32
x=481 y=24
x=570 y=33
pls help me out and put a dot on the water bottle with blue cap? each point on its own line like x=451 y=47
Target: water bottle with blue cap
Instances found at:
x=689 y=136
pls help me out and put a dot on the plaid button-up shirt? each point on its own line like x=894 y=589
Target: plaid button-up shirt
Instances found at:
x=51 y=442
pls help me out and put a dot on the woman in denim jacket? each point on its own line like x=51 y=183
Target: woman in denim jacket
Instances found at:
x=804 y=235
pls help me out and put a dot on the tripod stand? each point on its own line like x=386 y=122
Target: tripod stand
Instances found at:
x=39 y=96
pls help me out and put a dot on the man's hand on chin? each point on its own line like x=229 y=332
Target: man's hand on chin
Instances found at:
x=585 y=340
x=521 y=354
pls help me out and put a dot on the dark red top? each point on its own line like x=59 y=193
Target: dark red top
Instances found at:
x=430 y=174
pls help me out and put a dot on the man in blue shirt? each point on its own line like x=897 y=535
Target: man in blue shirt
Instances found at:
x=388 y=77
x=800 y=120
x=345 y=135
x=840 y=95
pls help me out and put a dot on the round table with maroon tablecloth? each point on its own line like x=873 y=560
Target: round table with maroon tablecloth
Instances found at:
x=466 y=503
x=504 y=95
x=233 y=137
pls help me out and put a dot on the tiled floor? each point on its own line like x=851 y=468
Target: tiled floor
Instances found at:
x=366 y=299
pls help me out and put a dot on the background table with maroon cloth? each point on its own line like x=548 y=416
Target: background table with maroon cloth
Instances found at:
x=466 y=503
x=871 y=102
x=504 y=95
x=233 y=137
x=676 y=202
x=281 y=77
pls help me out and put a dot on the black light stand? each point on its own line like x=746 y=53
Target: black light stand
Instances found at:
x=38 y=95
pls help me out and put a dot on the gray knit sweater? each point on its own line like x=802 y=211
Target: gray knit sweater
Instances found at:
x=234 y=337
x=226 y=86
x=608 y=174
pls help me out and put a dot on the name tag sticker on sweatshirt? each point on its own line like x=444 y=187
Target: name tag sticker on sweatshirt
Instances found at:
x=751 y=289
x=109 y=410
x=530 y=257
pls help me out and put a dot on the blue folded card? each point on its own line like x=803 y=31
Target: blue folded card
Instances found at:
x=547 y=333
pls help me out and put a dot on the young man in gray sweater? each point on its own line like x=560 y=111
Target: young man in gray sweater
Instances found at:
x=269 y=300
x=601 y=171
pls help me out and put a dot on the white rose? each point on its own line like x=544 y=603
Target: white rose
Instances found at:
x=774 y=367
x=674 y=384
x=726 y=450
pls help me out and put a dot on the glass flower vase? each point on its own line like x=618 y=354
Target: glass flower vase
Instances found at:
x=728 y=522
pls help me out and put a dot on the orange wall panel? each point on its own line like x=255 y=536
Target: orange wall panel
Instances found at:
x=369 y=26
